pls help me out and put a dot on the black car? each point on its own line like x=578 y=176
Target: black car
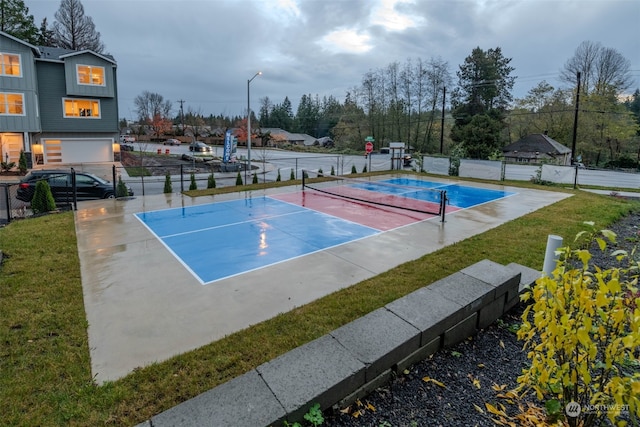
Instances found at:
x=88 y=186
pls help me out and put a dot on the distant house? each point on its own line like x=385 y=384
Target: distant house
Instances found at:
x=536 y=148
x=59 y=106
x=282 y=136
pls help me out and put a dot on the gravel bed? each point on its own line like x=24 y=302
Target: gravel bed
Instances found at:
x=453 y=385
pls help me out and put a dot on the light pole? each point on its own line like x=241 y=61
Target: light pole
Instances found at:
x=249 y=125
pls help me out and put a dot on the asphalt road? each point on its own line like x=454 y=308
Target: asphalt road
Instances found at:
x=270 y=163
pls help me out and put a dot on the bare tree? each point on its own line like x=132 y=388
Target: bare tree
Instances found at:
x=153 y=110
x=73 y=30
x=602 y=69
x=614 y=71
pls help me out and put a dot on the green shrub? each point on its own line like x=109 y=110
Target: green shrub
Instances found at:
x=168 y=187
x=333 y=171
x=121 y=188
x=239 y=179
x=255 y=179
x=211 y=181
x=6 y=166
x=42 y=200
x=364 y=169
x=279 y=178
x=194 y=184
x=320 y=173
x=353 y=169
x=22 y=162
x=581 y=329
x=292 y=176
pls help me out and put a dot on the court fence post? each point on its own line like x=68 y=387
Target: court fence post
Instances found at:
x=113 y=181
x=443 y=204
x=182 y=178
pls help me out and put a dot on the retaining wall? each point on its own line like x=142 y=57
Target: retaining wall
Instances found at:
x=353 y=360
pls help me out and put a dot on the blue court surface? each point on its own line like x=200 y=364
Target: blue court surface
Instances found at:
x=220 y=240
x=459 y=196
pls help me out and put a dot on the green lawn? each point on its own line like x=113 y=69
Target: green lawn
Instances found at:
x=45 y=374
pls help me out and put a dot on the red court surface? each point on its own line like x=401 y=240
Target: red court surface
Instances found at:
x=381 y=218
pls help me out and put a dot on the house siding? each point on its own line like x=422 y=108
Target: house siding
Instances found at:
x=75 y=89
x=52 y=90
x=26 y=85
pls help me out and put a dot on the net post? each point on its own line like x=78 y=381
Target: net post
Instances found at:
x=443 y=204
x=303 y=179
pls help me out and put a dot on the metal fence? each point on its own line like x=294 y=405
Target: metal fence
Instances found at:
x=16 y=197
x=558 y=174
x=267 y=169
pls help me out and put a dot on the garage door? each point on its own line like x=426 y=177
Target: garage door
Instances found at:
x=78 y=151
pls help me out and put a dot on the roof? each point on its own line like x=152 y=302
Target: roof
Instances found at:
x=291 y=137
x=58 y=53
x=17 y=40
x=537 y=143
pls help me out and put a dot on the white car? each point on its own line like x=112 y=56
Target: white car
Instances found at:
x=200 y=146
x=127 y=138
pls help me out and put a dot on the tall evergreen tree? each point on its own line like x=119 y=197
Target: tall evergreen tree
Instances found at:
x=15 y=20
x=74 y=30
x=46 y=36
x=308 y=115
x=484 y=90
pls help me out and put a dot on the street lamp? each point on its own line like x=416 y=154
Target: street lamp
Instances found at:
x=249 y=126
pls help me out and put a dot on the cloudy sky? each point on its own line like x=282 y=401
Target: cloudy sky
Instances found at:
x=204 y=51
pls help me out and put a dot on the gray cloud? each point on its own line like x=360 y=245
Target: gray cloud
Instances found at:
x=203 y=51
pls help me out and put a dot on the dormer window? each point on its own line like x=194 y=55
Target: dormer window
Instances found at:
x=10 y=65
x=90 y=75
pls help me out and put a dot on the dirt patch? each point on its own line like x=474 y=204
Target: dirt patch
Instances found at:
x=159 y=165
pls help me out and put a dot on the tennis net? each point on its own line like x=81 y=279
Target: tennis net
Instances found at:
x=413 y=198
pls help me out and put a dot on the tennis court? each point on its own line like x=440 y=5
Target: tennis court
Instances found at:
x=144 y=261
x=220 y=240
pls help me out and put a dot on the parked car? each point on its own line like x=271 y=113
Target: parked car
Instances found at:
x=126 y=147
x=200 y=146
x=127 y=138
x=88 y=186
x=171 y=142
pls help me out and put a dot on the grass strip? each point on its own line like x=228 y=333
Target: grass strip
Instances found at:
x=45 y=374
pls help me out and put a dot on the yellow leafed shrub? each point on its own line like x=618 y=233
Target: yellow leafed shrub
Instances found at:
x=582 y=333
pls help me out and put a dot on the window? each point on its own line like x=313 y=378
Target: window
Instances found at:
x=90 y=75
x=11 y=104
x=84 y=108
x=10 y=65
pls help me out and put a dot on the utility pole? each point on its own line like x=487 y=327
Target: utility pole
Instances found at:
x=575 y=132
x=182 y=115
x=575 y=124
x=444 y=96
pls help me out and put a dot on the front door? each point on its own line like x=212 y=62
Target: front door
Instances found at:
x=10 y=146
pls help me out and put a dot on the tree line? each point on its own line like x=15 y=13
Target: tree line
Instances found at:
x=473 y=114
